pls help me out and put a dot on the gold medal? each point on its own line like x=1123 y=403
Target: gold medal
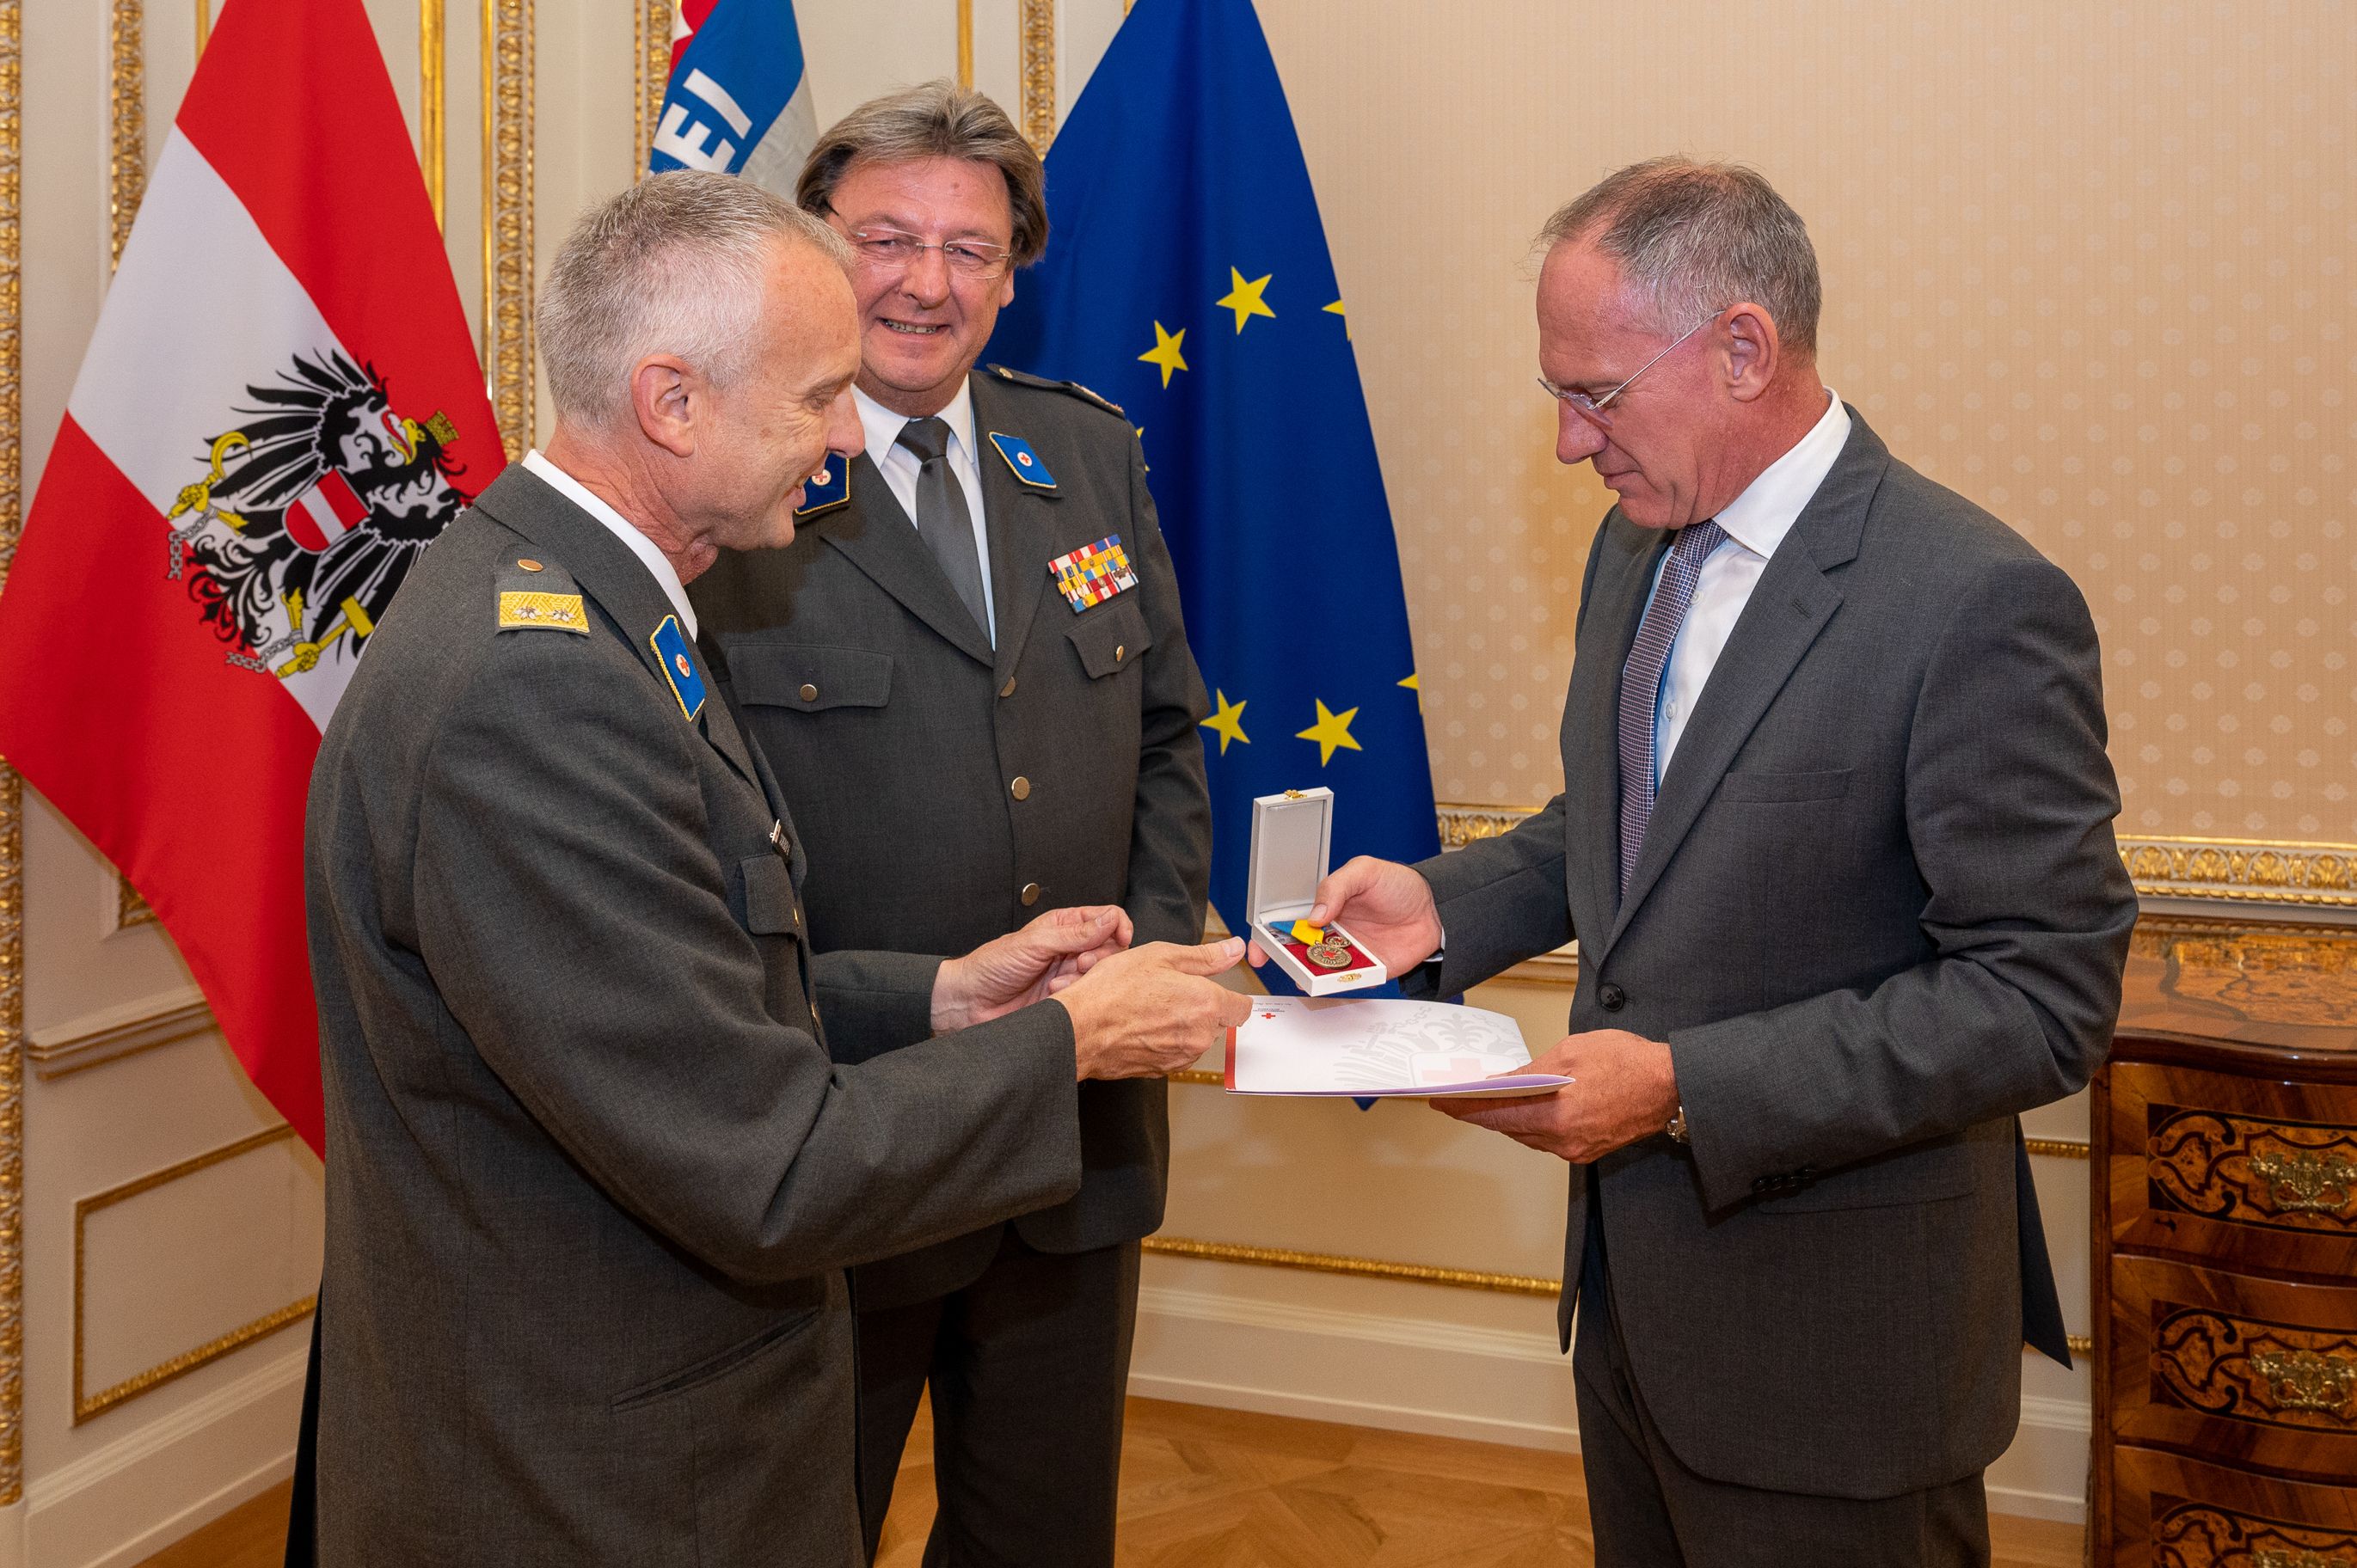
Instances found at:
x=1331 y=953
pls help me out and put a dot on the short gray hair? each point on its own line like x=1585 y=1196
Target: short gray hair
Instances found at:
x=673 y=265
x=1699 y=237
x=938 y=120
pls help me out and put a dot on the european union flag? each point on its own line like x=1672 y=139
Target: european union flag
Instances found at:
x=1187 y=280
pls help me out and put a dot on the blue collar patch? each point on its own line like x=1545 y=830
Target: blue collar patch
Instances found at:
x=830 y=487
x=678 y=666
x=1024 y=461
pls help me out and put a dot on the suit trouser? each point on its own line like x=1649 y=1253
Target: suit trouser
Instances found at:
x=1648 y=1510
x=1029 y=1366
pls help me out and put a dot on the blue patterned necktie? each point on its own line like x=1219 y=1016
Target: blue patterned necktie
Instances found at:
x=1640 y=682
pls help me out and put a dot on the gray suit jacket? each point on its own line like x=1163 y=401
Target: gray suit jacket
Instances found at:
x=900 y=733
x=1879 y=912
x=591 y=1176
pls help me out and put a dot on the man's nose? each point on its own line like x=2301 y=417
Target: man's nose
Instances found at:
x=844 y=435
x=927 y=281
x=1577 y=439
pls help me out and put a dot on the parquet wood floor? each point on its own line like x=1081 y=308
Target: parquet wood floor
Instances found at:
x=1222 y=1488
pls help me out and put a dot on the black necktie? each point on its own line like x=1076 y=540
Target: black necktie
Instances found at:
x=943 y=517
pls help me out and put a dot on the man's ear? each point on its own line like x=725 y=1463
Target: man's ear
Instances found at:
x=1752 y=351
x=666 y=397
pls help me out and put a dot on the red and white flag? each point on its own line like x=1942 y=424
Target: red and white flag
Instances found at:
x=280 y=409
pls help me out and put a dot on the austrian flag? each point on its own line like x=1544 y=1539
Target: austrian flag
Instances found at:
x=279 y=410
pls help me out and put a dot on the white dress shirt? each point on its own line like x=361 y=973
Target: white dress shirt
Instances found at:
x=1755 y=522
x=900 y=468
x=643 y=547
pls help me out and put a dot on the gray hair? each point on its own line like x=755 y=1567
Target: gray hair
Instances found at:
x=673 y=265
x=1699 y=237
x=938 y=120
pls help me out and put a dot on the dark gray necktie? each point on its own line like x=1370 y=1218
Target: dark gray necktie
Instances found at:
x=1640 y=682
x=942 y=516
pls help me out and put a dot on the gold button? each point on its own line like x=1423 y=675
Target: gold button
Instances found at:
x=810 y=692
x=1031 y=894
x=1021 y=788
x=1120 y=651
x=1008 y=690
x=529 y=565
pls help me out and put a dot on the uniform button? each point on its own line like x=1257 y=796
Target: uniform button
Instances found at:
x=1610 y=997
x=1031 y=894
x=1120 y=651
x=1021 y=788
x=1008 y=690
x=810 y=692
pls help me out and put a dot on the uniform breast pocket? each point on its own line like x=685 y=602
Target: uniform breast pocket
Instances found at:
x=765 y=902
x=807 y=676
x=1109 y=638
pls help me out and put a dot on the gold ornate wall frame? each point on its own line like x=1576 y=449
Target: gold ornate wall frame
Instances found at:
x=12 y=842
x=126 y=99
x=651 y=23
x=965 y=43
x=507 y=217
x=432 y=138
x=86 y=1405
x=1038 y=103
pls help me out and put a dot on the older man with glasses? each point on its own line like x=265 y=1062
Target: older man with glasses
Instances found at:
x=970 y=670
x=1835 y=840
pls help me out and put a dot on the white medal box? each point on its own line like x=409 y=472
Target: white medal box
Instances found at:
x=1292 y=840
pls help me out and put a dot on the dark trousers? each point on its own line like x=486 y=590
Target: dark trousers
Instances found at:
x=1028 y=1366
x=1648 y=1510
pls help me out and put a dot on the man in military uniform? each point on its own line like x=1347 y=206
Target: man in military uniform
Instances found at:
x=977 y=634
x=594 y=1176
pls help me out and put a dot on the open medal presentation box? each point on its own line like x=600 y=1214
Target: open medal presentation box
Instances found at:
x=1292 y=839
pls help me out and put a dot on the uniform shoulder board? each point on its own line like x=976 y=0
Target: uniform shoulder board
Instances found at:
x=537 y=595
x=1070 y=389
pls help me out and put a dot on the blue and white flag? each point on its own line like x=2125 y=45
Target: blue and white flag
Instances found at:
x=740 y=100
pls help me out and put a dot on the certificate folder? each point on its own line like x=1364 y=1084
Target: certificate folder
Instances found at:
x=1312 y=1045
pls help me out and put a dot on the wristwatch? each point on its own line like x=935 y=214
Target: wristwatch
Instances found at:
x=1677 y=1127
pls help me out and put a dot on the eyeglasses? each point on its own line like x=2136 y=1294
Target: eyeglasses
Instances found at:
x=1592 y=408
x=890 y=250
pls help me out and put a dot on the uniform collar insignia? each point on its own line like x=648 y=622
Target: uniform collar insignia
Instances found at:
x=678 y=666
x=1024 y=461
x=829 y=488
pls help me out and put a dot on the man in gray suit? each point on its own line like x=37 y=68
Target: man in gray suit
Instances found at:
x=911 y=658
x=1835 y=840
x=592 y=1176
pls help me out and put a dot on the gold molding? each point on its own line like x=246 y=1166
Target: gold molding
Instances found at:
x=1219 y=1080
x=85 y=1406
x=432 y=142
x=115 y=1033
x=12 y=842
x=2059 y=1148
x=507 y=217
x=204 y=26
x=1038 y=100
x=965 y=43
x=1461 y=825
x=1380 y=1269
x=130 y=908
x=651 y=36
x=2257 y=871
x=126 y=96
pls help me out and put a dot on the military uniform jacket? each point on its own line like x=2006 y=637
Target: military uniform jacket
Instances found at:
x=1878 y=913
x=947 y=793
x=592 y=1177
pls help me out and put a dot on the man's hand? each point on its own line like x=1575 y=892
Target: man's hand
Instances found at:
x=1027 y=965
x=1386 y=906
x=1153 y=1010
x=1627 y=1088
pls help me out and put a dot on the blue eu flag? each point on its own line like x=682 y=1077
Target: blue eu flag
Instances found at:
x=1187 y=279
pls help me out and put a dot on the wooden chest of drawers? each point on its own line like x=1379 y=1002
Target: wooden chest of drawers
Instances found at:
x=2226 y=1252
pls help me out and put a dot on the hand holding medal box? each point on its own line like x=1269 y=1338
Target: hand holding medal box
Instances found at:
x=1292 y=840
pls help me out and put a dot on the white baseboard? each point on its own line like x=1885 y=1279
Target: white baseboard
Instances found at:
x=1448 y=1379
x=130 y=1499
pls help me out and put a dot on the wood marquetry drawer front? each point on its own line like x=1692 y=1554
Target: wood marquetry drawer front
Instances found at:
x=2256 y=1173
x=2251 y=1371
x=2169 y=1512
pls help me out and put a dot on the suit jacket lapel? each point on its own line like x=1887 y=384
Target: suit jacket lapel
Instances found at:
x=1021 y=522
x=609 y=572
x=1591 y=725
x=882 y=541
x=1786 y=611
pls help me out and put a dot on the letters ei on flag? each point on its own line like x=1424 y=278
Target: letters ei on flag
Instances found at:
x=279 y=410
x=740 y=99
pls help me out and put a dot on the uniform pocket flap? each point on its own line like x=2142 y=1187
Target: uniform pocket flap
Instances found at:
x=1771 y=788
x=1109 y=638
x=806 y=676
x=766 y=891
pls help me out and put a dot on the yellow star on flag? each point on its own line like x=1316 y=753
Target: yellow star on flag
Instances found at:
x=1332 y=731
x=1244 y=298
x=1228 y=724
x=1411 y=685
x=1336 y=309
x=1165 y=351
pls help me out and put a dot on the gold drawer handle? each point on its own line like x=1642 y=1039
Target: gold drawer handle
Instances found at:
x=2301 y=1183
x=2303 y=1380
